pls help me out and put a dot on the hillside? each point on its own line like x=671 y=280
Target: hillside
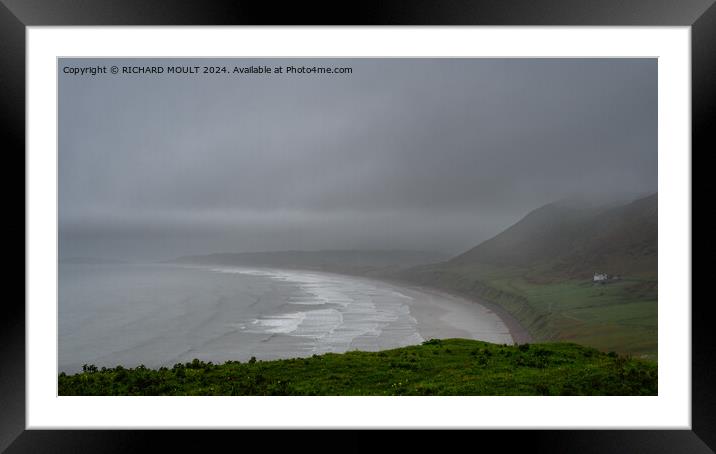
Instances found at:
x=540 y=270
x=338 y=261
x=457 y=367
x=563 y=240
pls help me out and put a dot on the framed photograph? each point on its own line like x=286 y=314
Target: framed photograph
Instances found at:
x=383 y=220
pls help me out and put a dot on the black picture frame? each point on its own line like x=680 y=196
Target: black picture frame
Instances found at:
x=16 y=15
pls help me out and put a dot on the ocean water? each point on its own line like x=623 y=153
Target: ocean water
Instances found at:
x=159 y=315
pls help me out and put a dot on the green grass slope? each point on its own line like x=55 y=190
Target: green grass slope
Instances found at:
x=540 y=270
x=437 y=367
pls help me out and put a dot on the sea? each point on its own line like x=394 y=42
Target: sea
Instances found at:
x=159 y=314
x=162 y=314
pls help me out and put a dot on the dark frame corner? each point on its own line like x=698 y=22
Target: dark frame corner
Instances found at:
x=16 y=15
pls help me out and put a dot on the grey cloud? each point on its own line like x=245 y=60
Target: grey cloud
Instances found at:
x=412 y=153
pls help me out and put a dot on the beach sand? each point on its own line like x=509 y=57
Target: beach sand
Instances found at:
x=471 y=315
x=444 y=315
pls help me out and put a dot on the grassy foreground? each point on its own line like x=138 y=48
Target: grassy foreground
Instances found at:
x=437 y=367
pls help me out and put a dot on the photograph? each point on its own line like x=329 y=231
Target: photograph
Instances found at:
x=388 y=226
x=402 y=216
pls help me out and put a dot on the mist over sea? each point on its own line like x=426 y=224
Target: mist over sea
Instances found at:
x=159 y=315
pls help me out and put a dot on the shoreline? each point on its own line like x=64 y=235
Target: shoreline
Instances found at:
x=519 y=334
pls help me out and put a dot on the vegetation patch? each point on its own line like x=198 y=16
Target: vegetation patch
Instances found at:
x=437 y=367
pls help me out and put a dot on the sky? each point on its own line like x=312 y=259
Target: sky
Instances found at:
x=420 y=154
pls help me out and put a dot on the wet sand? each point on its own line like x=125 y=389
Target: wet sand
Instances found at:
x=440 y=314
x=517 y=332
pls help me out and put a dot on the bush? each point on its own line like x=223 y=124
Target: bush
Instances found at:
x=437 y=342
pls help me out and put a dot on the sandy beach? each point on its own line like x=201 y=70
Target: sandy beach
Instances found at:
x=476 y=308
x=444 y=315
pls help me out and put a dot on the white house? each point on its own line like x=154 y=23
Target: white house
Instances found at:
x=600 y=277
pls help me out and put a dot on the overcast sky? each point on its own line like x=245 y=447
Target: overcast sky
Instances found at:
x=427 y=154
